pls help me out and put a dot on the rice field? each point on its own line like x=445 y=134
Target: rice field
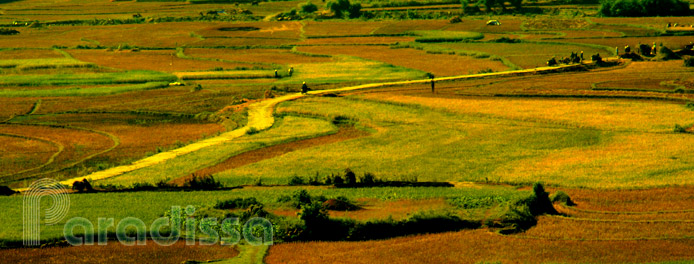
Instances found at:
x=87 y=85
x=595 y=148
x=438 y=64
x=524 y=55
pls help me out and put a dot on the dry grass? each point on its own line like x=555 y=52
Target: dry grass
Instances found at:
x=77 y=144
x=15 y=106
x=560 y=228
x=22 y=154
x=645 y=200
x=438 y=64
x=23 y=54
x=162 y=132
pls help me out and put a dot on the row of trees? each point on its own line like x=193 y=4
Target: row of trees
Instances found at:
x=341 y=8
x=639 y=8
x=629 y=8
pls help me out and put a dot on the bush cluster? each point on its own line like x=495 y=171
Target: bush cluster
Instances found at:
x=689 y=61
x=7 y=31
x=319 y=226
x=343 y=8
x=237 y=203
x=641 y=8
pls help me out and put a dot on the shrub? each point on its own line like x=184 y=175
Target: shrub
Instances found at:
x=296 y=180
x=308 y=7
x=562 y=197
x=5 y=191
x=301 y=198
x=252 y=130
x=680 y=129
x=204 y=182
x=164 y=184
x=343 y=7
x=7 y=31
x=237 y=203
x=350 y=177
x=314 y=180
x=255 y=210
x=689 y=61
x=368 y=179
x=506 y=40
x=82 y=186
x=337 y=180
x=143 y=186
x=197 y=88
x=340 y=203
x=538 y=203
x=319 y=226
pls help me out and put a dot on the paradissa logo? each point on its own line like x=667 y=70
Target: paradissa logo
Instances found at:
x=130 y=230
x=167 y=230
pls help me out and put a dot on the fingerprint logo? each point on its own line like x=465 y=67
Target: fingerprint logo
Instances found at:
x=32 y=208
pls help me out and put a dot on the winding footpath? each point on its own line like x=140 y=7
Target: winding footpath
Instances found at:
x=260 y=117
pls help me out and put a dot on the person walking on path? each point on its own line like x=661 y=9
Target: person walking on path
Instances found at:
x=304 y=88
x=290 y=71
x=432 y=85
x=276 y=74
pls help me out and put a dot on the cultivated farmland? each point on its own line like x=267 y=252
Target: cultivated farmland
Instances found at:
x=354 y=131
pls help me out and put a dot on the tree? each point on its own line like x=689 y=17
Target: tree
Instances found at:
x=350 y=177
x=639 y=8
x=308 y=7
x=343 y=7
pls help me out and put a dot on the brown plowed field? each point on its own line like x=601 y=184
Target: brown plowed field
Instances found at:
x=115 y=252
x=155 y=60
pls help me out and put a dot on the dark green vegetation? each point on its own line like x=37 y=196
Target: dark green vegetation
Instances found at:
x=640 y=8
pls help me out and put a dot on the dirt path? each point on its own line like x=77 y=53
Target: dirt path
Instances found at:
x=260 y=117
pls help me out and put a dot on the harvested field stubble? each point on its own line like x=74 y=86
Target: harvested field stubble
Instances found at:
x=477 y=246
x=155 y=60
